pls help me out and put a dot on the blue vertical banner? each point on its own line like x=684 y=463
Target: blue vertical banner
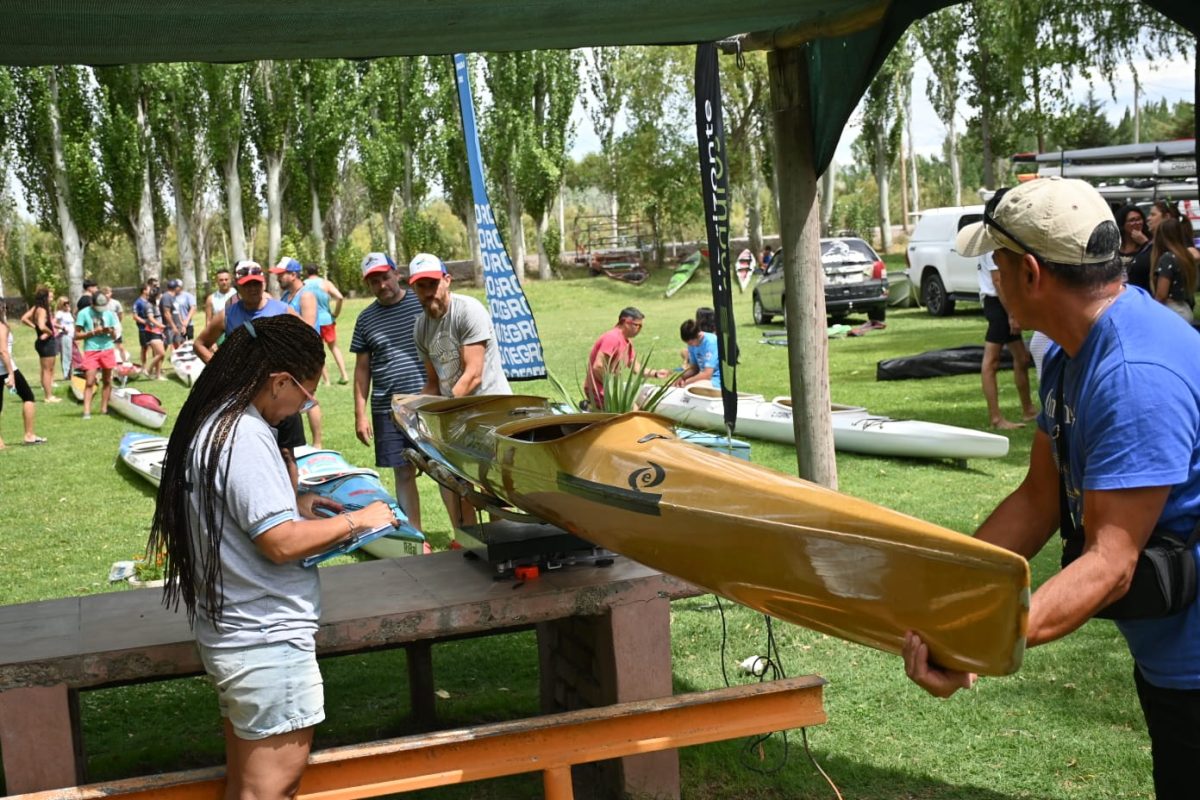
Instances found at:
x=714 y=185
x=516 y=330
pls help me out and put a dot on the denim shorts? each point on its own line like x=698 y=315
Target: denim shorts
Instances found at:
x=266 y=690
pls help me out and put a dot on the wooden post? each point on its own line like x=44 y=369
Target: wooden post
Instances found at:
x=804 y=292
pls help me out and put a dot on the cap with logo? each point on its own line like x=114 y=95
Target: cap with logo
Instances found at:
x=1061 y=220
x=247 y=272
x=286 y=265
x=376 y=262
x=425 y=265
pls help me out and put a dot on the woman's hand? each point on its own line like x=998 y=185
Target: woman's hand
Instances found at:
x=376 y=515
x=308 y=503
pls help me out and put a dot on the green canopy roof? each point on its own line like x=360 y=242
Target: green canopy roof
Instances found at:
x=852 y=37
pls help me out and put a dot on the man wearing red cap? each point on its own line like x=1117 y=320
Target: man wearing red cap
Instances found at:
x=387 y=363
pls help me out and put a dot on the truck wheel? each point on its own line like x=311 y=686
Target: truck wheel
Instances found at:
x=934 y=297
x=761 y=317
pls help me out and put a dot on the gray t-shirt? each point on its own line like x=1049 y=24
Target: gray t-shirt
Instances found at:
x=440 y=342
x=265 y=602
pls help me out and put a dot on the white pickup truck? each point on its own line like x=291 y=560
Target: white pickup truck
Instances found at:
x=935 y=268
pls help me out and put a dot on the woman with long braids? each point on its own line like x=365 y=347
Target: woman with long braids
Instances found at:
x=228 y=520
x=40 y=317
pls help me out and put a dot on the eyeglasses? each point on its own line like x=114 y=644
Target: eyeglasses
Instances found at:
x=990 y=221
x=243 y=272
x=309 y=401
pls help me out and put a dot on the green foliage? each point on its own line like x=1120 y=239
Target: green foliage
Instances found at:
x=420 y=233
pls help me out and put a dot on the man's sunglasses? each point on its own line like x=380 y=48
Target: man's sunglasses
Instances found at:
x=243 y=272
x=988 y=219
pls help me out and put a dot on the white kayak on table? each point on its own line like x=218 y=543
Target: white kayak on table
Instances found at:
x=144 y=453
x=186 y=363
x=855 y=430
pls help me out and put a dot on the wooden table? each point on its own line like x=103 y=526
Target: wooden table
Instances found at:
x=603 y=637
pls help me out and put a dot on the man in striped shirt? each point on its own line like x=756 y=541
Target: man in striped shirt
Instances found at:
x=387 y=363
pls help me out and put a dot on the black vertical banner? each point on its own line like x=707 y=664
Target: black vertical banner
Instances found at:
x=714 y=184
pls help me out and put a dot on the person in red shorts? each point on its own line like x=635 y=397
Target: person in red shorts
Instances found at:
x=96 y=328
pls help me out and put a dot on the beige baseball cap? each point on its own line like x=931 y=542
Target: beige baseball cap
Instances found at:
x=1059 y=219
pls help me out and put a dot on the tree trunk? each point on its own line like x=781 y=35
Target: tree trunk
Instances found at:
x=808 y=346
x=1039 y=120
x=903 y=188
x=274 y=164
x=543 y=222
x=183 y=237
x=754 y=226
x=952 y=149
x=233 y=204
x=881 y=180
x=516 y=230
x=317 y=224
x=389 y=227
x=468 y=214
x=67 y=229
x=827 y=192
x=915 y=208
x=149 y=262
x=562 y=223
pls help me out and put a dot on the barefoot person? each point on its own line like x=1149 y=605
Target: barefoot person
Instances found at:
x=13 y=381
x=1002 y=331
x=40 y=317
x=234 y=534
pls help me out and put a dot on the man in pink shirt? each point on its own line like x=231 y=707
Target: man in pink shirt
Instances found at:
x=614 y=351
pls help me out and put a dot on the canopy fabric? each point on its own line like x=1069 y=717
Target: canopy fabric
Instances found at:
x=852 y=37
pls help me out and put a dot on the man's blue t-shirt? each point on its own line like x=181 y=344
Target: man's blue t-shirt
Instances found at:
x=705 y=355
x=1131 y=401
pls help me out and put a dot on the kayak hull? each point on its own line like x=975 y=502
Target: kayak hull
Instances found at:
x=773 y=542
x=144 y=453
x=855 y=430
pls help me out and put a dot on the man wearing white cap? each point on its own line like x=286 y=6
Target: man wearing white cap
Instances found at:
x=455 y=338
x=457 y=343
x=387 y=363
x=1120 y=395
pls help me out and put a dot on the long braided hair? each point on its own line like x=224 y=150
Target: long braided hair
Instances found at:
x=227 y=386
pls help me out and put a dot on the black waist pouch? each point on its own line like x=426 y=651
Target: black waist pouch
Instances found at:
x=1164 y=581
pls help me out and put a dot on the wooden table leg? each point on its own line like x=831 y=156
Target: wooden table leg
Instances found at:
x=39 y=735
x=619 y=656
x=419 y=656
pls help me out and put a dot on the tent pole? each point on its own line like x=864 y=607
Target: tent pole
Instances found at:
x=800 y=232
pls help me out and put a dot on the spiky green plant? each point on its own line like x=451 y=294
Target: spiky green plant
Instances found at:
x=623 y=387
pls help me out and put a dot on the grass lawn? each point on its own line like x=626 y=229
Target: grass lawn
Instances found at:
x=1066 y=726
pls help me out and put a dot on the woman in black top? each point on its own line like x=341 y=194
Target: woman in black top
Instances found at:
x=1174 y=268
x=1135 y=245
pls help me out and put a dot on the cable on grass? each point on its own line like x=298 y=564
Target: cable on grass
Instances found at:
x=771 y=669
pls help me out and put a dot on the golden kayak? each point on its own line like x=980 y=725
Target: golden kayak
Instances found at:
x=778 y=544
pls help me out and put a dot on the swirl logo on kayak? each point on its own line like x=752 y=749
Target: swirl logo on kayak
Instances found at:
x=647 y=477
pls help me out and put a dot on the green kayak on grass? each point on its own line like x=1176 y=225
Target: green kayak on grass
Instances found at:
x=684 y=272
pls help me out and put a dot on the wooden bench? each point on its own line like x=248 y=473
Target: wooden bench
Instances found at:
x=550 y=744
x=609 y=625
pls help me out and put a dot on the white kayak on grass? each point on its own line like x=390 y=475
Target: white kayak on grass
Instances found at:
x=144 y=453
x=745 y=268
x=855 y=430
x=186 y=363
x=132 y=404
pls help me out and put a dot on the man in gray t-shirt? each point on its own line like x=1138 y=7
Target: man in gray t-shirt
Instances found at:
x=457 y=343
x=454 y=336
